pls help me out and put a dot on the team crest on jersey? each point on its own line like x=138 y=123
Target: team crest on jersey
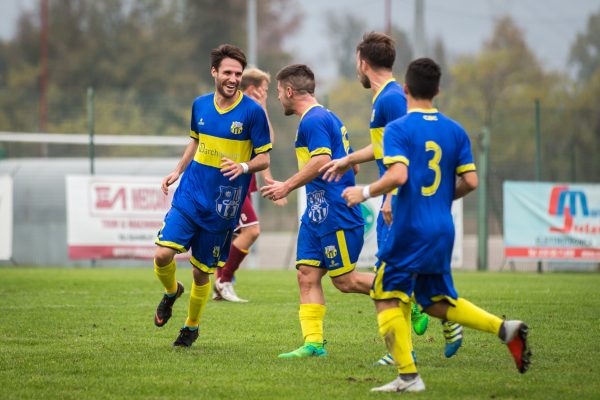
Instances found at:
x=236 y=127
x=330 y=251
x=318 y=208
x=228 y=202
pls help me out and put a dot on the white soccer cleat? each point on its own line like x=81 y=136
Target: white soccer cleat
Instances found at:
x=225 y=289
x=399 y=385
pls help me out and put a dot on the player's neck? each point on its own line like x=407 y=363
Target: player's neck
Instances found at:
x=226 y=102
x=304 y=104
x=379 y=78
x=412 y=103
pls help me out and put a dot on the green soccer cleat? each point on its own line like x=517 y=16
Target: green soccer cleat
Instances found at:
x=310 y=349
x=419 y=320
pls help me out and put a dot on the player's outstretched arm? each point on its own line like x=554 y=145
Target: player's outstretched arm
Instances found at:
x=465 y=184
x=335 y=169
x=275 y=190
x=395 y=176
x=268 y=179
x=232 y=170
x=188 y=154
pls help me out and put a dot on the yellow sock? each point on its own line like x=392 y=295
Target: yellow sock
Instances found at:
x=198 y=300
x=394 y=327
x=311 y=322
x=166 y=275
x=468 y=314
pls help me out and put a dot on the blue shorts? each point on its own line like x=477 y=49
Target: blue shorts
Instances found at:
x=337 y=251
x=209 y=249
x=382 y=231
x=393 y=283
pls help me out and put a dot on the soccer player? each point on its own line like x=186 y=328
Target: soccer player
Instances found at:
x=375 y=56
x=429 y=158
x=255 y=84
x=331 y=235
x=230 y=140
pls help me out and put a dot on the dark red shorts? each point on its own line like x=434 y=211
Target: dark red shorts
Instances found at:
x=248 y=215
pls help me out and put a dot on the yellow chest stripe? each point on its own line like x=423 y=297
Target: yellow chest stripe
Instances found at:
x=377 y=142
x=211 y=149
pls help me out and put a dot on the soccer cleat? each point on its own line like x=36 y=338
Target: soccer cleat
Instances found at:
x=453 y=333
x=308 y=350
x=385 y=360
x=514 y=335
x=419 y=320
x=165 y=307
x=216 y=296
x=399 y=385
x=186 y=337
x=225 y=290
x=389 y=360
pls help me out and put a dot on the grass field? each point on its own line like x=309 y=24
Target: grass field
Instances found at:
x=88 y=333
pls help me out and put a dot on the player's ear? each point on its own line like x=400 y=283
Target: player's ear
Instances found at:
x=289 y=91
x=213 y=72
x=405 y=88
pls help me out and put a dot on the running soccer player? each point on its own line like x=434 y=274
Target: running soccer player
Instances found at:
x=255 y=84
x=375 y=56
x=331 y=235
x=429 y=158
x=230 y=140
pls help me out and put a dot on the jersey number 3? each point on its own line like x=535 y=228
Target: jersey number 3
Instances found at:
x=434 y=164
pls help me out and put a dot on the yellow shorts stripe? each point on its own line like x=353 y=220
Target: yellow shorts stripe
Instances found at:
x=204 y=267
x=312 y=263
x=377 y=292
x=172 y=245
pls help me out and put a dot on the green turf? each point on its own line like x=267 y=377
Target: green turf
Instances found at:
x=88 y=333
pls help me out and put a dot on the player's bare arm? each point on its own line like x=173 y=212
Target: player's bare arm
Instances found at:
x=335 y=169
x=188 y=154
x=386 y=209
x=465 y=184
x=395 y=176
x=232 y=169
x=276 y=190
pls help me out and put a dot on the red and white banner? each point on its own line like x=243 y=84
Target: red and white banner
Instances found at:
x=6 y=217
x=551 y=221
x=114 y=216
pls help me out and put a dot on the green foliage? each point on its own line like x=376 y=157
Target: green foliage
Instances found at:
x=585 y=52
x=88 y=333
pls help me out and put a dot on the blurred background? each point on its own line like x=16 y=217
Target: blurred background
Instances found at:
x=523 y=77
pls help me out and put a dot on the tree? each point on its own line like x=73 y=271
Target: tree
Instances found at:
x=345 y=31
x=585 y=52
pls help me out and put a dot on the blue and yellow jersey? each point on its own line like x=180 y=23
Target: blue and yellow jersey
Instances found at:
x=389 y=103
x=239 y=133
x=321 y=132
x=436 y=149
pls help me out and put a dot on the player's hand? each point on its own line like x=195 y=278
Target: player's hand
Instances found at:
x=230 y=168
x=386 y=209
x=353 y=195
x=335 y=169
x=274 y=190
x=168 y=181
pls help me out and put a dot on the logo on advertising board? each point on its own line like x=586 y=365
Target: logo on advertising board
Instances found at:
x=126 y=199
x=568 y=203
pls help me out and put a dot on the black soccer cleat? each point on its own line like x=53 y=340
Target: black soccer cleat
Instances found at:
x=186 y=337
x=165 y=307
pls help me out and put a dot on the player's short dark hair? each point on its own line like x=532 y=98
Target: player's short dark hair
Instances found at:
x=227 y=51
x=423 y=78
x=377 y=49
x=299 y=77
x=254 y=77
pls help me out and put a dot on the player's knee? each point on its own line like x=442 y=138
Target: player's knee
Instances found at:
x=254 y=232
x=305 y=279
x=345 y=284
x=163 y=256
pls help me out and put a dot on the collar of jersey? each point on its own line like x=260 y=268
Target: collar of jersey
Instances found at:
x=424 y=110
x=231 y=107
x=308 y=109
x=383 y=87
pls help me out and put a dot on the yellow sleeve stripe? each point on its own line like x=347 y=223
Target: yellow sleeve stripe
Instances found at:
x=320 y=150
x=263 y=149
x=312 y=263
x=465 y=168
x=395 y=159
x=193 y=134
